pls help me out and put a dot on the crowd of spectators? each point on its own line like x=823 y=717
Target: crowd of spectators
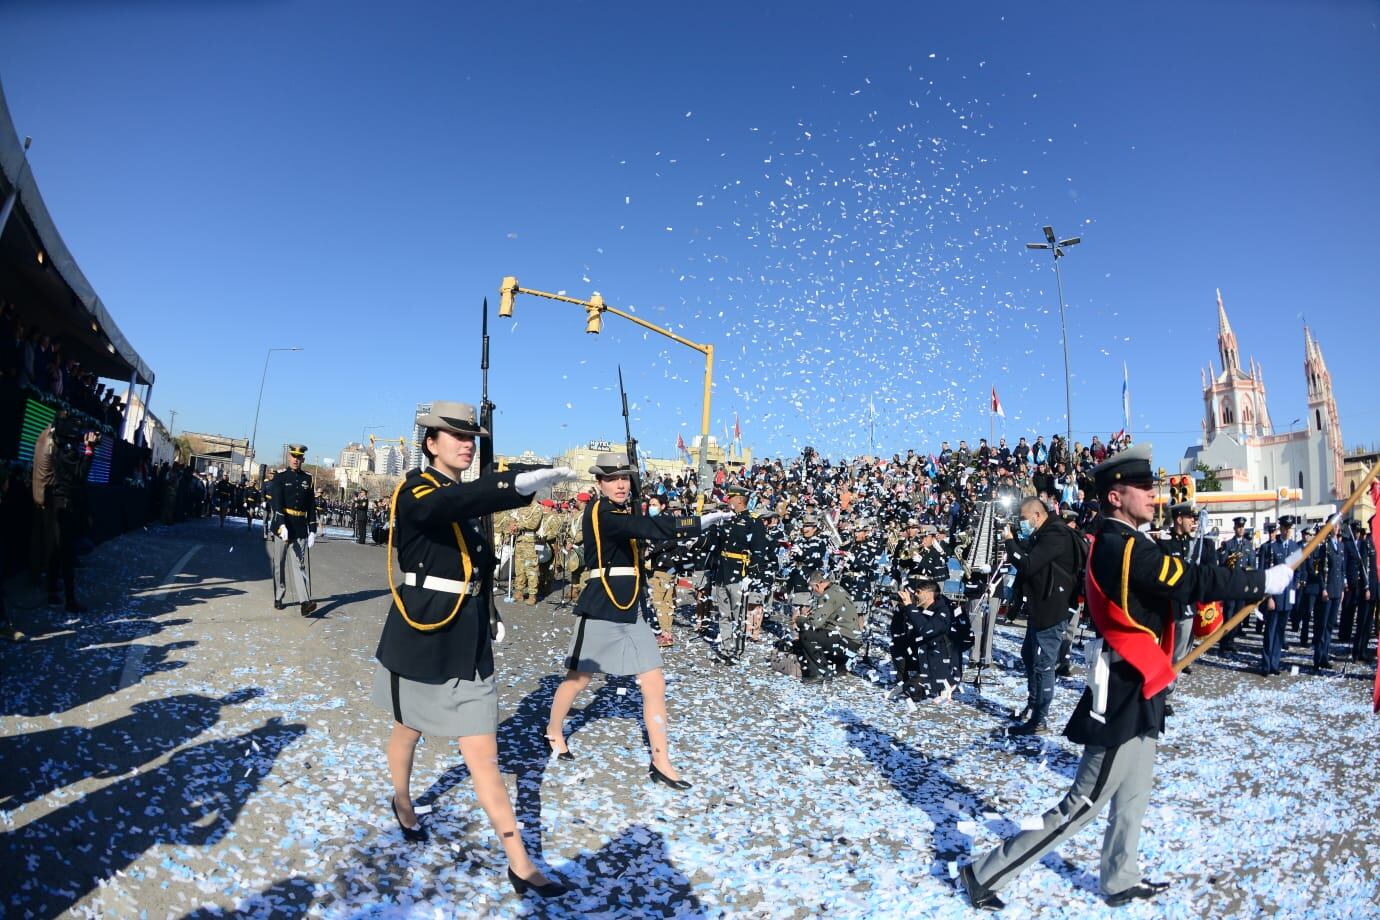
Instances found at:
x=36 y=364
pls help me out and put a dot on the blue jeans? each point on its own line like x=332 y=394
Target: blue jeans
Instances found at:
x=1040 y=652
x=1276 y=621
x=1323 y=624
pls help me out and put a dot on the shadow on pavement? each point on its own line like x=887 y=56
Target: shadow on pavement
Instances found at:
x=922 y=782
x=192 y=800
x=289 y=898
x=41 y=762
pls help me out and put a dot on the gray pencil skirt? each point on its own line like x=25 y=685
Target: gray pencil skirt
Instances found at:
x=450 y=708
x=602 y=647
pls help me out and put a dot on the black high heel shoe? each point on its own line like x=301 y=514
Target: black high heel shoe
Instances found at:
x=522 y=886
x=563 y=755
x=656 y=775
x=416 y=834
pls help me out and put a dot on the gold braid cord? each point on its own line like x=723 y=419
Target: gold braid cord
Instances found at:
x=464 y=561
x=599 y=558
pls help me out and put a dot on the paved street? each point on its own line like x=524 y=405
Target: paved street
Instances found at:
x=186 y=751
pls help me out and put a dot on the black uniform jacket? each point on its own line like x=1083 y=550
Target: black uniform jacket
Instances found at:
x=739 y=548
x=436 y=530
x=294 y=503
x=1155 y=585
x=611 y=533
x=1181 y=547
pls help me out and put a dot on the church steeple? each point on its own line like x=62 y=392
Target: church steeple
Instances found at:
x=1226 y=341
x=1322 y=407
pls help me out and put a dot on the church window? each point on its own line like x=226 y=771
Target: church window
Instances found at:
x=1227 y=415
x=1300 y=481
x=1318 y=414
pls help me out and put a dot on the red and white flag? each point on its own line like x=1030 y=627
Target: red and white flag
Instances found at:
x=680 y=443
x=737 y=429
x=996 y=404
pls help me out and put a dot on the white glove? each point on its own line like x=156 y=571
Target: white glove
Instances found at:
x=311 y=540
x=709 y=520
x=282 y=532
x=500 y=632
x=533 y=482
x=1278 y=578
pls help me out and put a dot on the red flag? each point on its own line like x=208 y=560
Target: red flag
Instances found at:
x=680 y=443
x=996 y=404
x=1375 y=700
x=1206 y=618
x=737 y=429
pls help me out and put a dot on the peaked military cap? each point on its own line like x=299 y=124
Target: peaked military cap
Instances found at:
x=1182 y=509
x=457 y=417
x=1358 y=525
x=611 y=463
x=1286 y=520
x=736 y=489
x=1271 y=526
x=297 y=450
x=1238 y=522
x=1131 y=467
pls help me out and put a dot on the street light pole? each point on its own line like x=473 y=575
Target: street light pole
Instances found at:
x=1057 y=246
x=254 y=433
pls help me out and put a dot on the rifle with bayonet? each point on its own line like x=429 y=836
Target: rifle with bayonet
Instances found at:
x=486 y=465
x=635 y=498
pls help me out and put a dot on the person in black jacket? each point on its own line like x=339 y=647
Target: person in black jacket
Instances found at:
x=436 y=663
x=1047 y=567
x=1133 y=592
x=612 y=636
x=927 y=620
x=72 y=451
x=294 y=521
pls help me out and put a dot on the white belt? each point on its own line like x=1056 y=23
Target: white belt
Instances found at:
x=612 y=572
x=446 y=585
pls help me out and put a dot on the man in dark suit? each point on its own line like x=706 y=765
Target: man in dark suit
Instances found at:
x=1330 y=601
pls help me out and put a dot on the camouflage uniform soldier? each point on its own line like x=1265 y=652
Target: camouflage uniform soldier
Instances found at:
x=523 y=525
x=574 y=537
x=549 y=532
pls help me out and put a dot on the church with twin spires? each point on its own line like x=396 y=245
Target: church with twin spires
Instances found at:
x=1240 y=441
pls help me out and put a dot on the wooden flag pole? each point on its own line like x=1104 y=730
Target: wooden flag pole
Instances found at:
x=1313 y=544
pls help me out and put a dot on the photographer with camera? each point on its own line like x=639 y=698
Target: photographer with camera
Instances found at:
x=926 y=661
x=62 y=460
x=829 y=631
x=1049 y=560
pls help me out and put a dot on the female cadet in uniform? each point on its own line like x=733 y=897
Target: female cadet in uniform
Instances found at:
x=612 y=637
x=435 y=656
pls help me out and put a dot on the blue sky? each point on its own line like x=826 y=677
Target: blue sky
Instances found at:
x=836 y=196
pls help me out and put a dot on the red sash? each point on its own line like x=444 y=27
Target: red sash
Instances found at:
x=1151 y=656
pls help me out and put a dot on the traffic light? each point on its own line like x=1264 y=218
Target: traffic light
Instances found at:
x=595 y=308
x=1181 y=489
x=506 y=294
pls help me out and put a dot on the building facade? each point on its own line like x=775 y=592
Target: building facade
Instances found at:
x=1240 y=441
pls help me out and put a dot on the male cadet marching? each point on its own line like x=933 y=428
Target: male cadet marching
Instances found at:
x=1277 y=606
x=1134 y=590
x=1237 y=552
x=359 y=508
x=294 y=521
x=737 y=551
